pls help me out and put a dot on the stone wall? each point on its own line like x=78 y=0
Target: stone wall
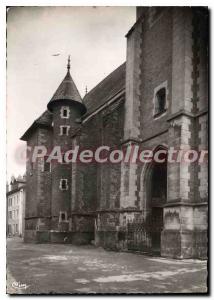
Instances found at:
x=156 y=68
x=38 y=188
x=98 y=185
x=188 y=130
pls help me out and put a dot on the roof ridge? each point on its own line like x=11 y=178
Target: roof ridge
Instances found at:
x=106 y=78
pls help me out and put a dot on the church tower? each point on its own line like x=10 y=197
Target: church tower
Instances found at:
x=67 y=108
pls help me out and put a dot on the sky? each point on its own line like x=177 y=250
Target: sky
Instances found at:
x=93 y=36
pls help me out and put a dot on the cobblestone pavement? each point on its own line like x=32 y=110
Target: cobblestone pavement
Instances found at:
x=54 y=268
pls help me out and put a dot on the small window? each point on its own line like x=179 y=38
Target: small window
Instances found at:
x=64 y=112
x=63 y=184
x=160 y=102
x=63 y=216
x=47 y=165
x=64 y=130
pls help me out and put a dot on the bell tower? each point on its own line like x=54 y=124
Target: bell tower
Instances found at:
x=67 y=108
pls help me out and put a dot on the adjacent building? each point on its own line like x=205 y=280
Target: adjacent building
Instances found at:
x=157 y=99
x=16 y=206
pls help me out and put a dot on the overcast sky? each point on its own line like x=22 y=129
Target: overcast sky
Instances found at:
x=95 y=39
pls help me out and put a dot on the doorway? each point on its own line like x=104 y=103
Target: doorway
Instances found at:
x=157 y=226
x=158 y=199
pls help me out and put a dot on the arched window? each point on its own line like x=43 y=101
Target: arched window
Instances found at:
x=160 y=100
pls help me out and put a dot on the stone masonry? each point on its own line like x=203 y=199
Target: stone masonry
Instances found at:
x=156 y=100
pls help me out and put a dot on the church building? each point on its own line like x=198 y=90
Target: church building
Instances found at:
x=157 y=100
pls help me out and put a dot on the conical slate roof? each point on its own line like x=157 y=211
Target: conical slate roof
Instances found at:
x=67 y=91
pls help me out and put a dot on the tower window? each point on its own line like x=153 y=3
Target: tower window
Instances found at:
x=64 y=130
x=65 y=112
x=63 y=184
x=160 y=100
x=63 y=216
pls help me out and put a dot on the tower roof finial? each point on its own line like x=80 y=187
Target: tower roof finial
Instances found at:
x=69 y=60
x=67 y=93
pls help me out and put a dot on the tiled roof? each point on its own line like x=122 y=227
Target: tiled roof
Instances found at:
x=45 y=120
x=106 y=89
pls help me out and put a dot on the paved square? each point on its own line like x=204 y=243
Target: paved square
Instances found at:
x=54 y=268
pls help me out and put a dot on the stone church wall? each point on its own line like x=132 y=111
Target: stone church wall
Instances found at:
x=98 y=185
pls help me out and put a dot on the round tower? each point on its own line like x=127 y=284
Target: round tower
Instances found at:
x=67 y=108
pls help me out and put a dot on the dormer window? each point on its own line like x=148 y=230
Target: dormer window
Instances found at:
x=160 y=100
x=65 y=112
x=64 y=130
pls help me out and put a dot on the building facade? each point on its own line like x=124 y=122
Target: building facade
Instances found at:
x=157 y=100
x=16 y=206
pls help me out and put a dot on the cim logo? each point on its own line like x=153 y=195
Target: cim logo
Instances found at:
x=19 y=286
